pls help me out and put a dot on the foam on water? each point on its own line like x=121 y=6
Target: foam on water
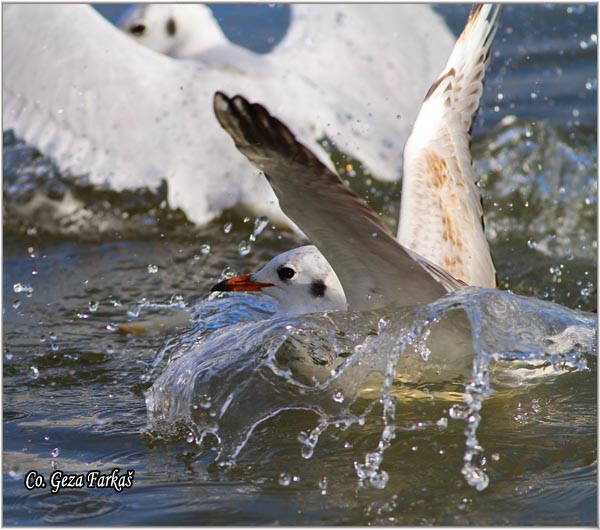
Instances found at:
x=341 y=365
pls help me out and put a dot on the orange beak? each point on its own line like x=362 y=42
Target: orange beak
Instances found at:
x=240 y=283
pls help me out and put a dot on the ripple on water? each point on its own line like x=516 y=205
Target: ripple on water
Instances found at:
x=67 y=507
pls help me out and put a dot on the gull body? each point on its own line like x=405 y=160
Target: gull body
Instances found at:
x=123 y=116
x=374 y=269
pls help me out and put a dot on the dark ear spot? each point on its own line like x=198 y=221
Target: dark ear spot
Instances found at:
x=317 y=288
x=171 y=27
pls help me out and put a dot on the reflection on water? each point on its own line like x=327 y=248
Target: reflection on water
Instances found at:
x=105 y=307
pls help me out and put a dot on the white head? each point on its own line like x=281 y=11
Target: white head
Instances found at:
x=179 y=30
x=301 y=280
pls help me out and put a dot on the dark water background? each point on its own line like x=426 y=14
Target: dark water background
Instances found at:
x=74 y=387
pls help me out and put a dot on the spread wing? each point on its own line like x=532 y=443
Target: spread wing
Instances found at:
x=104 y=107
x=441 y=216
x=372 y=267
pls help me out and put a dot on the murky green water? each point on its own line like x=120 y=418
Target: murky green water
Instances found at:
x=74 y=385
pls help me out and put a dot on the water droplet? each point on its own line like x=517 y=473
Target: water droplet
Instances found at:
x=323 y=485
x=55 y=452
x=531 y=243
x=23 y=288
x=379 y=480
x=260 y=224
x=458 y=412
x=133 y=311
x=373 y=459
x=495 y=456
x=475 y=477
x=227 y=227
x=205 y=250
x=16 y=304
x=284 y=479
x=205 y=402
x=388 y=434
x=34 y=373
x=442 y=423
x=338 y=397
x=109 y=349
x=46 y=437
x=93 y=306
x=190 y=437
x=53 y=335
x=307 y=451
x=54 y=346
x=152 y=269
x=228 y=272
x=244 y=248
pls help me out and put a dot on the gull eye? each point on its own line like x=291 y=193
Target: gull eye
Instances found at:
x=286 y=273
x=138 y=29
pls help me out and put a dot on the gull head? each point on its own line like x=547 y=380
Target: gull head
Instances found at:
x=301 y=280
x=178 y=30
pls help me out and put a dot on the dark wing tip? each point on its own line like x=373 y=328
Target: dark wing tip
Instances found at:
x=256 y=133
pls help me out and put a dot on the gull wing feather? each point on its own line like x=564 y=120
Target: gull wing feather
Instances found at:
x=441 y=216
x=373 y=268
x=123 y=115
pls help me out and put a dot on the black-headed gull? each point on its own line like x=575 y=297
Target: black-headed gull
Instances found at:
x=373 y=268
x=103 y=106
x=301 y=280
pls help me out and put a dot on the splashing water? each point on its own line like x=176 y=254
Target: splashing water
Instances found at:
x=340 y=365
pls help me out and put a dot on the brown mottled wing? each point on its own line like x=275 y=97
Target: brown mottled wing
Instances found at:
x=372 y=267
x=441 y=216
